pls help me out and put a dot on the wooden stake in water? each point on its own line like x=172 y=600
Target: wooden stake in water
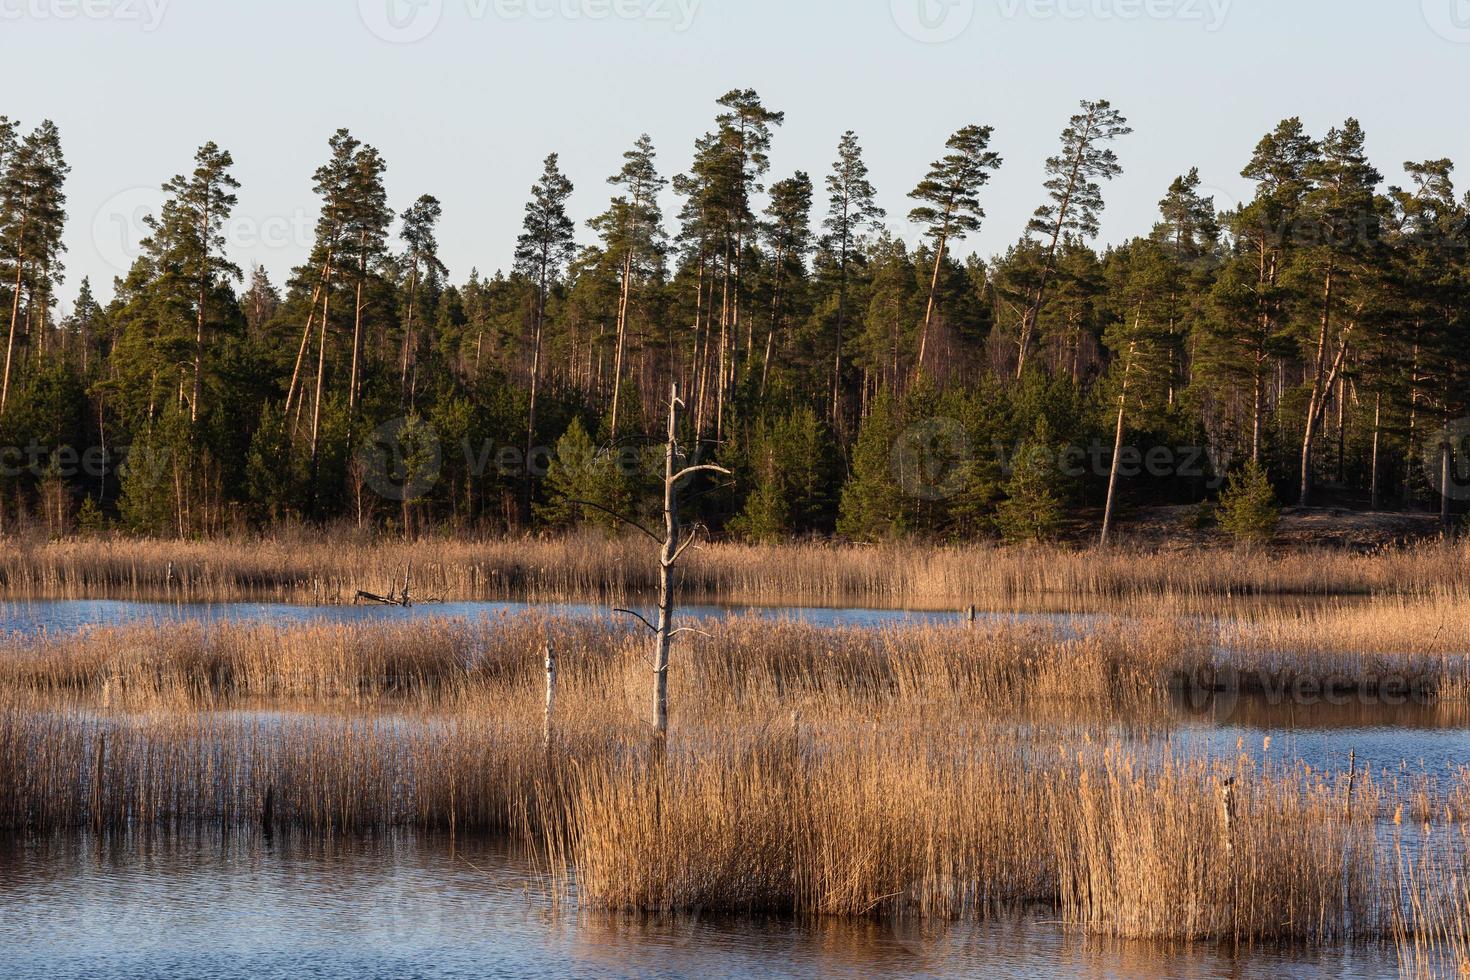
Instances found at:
x=98 y=766
x=268 y=812
x=1227 y=808
x=550 y=651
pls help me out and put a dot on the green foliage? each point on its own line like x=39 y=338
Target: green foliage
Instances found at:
x=89 y=517
x=275 y=479
x=787 y=478
x=1032 y=510
x=586 y=486
x=158 y=476
x=795 y=346
x=873 y=504
x=1248 y=510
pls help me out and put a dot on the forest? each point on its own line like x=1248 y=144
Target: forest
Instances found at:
x=1315 y=336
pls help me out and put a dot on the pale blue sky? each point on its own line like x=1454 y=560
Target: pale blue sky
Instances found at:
x=468 y=112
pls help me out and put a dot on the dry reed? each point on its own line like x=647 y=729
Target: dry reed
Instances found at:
x=938 y=772
x=597 y=569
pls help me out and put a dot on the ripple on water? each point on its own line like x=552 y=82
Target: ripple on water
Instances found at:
x=410 y=905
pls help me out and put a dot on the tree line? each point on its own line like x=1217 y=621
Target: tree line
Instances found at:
x=854 y=384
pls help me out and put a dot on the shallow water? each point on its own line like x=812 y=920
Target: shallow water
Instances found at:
x=418 y=906
x=415 y=906
x=1387 y=739
x=59 y=616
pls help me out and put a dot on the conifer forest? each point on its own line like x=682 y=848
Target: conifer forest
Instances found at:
x=1316 y=335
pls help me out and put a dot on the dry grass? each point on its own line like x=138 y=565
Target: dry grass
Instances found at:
x=595 y=569
x=1432 y=925
x=937 y=772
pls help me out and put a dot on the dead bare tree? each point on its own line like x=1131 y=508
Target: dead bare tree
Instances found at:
x=673 y=544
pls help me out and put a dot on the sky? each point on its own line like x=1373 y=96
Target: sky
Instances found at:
x=464 y=98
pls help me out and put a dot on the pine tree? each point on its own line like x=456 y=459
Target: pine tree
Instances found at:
x=740 y=159
x=32 y=216
x=1032 y=510
x=951 y=203
x=787 y=231
x=261 y=301
x=189 y=240
x=544 y=248
x=1140 y=338
x=1342 y=212
x=1245 y=333
x=632 y=228
x=1076 y=198
x=422 y=256
x=873 y=503
x=334 y=182
x=364 y=243
x=788 y=481
x=1248 y=511
x=851 y=209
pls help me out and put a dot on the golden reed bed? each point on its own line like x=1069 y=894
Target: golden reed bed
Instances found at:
x=318 y=568
x=939 y=771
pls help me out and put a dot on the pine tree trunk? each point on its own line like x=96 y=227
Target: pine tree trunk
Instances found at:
x=841 y=329
x=305 y=344
x=940 y=245
x=20 y=264
x=408 y=329
x=1446 y=473
x=357 y=322
x=1317 y=403
x=621 y=339
x=1377 y=436
x=535 y=391
x=199 y=320
x=321 y=370
x=1107 y=527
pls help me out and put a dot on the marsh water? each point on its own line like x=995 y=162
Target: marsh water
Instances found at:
x=62 y=615
x=418 y=906
x=414 y=905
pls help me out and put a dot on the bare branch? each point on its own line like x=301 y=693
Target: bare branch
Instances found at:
x=616 y=516
x=691 y=629
x=688 y=542
x=638 y=616
x=683 y=475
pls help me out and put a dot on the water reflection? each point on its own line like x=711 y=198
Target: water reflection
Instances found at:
x=62 y=616
x=408 y=905
x=1431 y=738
